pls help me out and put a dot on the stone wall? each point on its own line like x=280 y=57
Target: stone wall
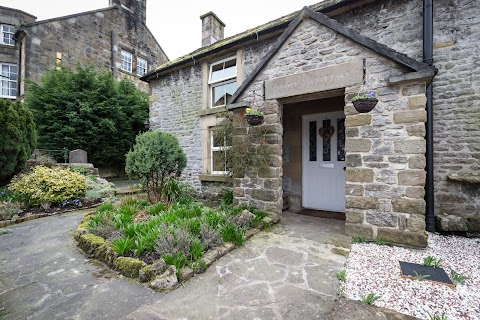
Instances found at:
x=456 y=101
x=86 y=38
x=175 y=102
x=176 y=106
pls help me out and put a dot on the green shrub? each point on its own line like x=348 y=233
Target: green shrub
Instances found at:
x=45 y=185
x=89 y=110
x=18 y=138
x=155 y=157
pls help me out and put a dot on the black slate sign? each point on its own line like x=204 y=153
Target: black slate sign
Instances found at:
x=411 y=270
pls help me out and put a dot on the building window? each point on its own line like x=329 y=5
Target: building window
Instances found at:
x=141 y=66
x=7 y=32
x=219 y=146
x=127 y=58
x=8 y=81
x=223 y=81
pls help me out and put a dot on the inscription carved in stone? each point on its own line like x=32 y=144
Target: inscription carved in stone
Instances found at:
x=328 y=78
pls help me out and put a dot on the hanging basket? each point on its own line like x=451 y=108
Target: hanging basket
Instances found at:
x=365 y=105
x=253 y=119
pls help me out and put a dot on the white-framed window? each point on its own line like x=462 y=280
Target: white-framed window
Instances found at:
x=142 y=66
x=8 y=81
x=222 y=79
x=219 y=146
x=7 y=31
x=127 y=59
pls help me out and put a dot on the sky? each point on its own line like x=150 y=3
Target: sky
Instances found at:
x=176 y=24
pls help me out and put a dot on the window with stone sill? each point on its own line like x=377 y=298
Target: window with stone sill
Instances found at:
x=7 y=32
x=219 y=146
x=142 y=67
x=127 y=59
x=222 y=80
x=8 y=81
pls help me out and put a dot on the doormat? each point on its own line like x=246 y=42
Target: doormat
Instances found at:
x=417 y=271
x=322 y=214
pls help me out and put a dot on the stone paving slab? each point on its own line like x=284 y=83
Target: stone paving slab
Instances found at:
x=287 y=272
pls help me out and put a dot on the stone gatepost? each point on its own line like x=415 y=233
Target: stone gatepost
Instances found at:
x=263 y=189
x=78 y=156
x=385 y=172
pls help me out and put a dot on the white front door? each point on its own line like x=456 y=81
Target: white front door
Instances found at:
x=323 y=160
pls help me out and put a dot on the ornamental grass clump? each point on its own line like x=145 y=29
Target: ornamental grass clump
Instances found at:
x=48 y=186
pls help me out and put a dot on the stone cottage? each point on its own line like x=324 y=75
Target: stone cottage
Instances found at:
x=409 y=165
x=114 y=38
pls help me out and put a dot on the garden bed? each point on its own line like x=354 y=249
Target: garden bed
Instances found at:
x=162 y=245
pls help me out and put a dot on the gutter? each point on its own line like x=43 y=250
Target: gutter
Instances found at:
x=428 y=58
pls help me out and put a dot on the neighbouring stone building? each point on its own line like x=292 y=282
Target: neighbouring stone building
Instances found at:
x=115 y=38
x=414 y=158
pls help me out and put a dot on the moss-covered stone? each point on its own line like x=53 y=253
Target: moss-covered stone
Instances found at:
x=83 y=227
x=129 y=267
x=89 y=242
x=105 y=254
x=149 y=272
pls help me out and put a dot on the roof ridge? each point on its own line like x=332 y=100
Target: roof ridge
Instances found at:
x=336 y=26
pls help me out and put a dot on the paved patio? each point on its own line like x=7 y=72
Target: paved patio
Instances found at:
x=287 y=272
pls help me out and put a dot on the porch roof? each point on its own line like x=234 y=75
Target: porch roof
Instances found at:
x=421 y=69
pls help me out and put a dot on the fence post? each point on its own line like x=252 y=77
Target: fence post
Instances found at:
x=65 y=154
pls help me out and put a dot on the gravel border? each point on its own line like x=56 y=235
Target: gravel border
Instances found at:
x=375 y=269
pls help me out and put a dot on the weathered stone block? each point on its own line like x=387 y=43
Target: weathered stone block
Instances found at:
x=410 y=116
x=361 y=202
x=448 y=223
x=417 y=102
x=264 y=194
x=359 y=230
x=417 y=162
x=359 y=175
x=353 y=216
x=416 y=222
x=410 y=147
x=412 y=178
x=403 y=237
x=416 y=130
x=354 y=189
x=415 y=192
x=382 y=219
x=406 y=205
x=358 y=145
x=358 y=120
x=129 y=267
x=354 y=160
x=351 y=132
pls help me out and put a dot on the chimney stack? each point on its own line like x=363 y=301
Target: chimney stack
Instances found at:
x=136 y=7
x=212 y=28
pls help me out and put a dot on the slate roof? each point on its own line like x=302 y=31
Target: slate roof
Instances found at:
x=277 y=24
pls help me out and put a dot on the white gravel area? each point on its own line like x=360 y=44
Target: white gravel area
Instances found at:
x=375 y=269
